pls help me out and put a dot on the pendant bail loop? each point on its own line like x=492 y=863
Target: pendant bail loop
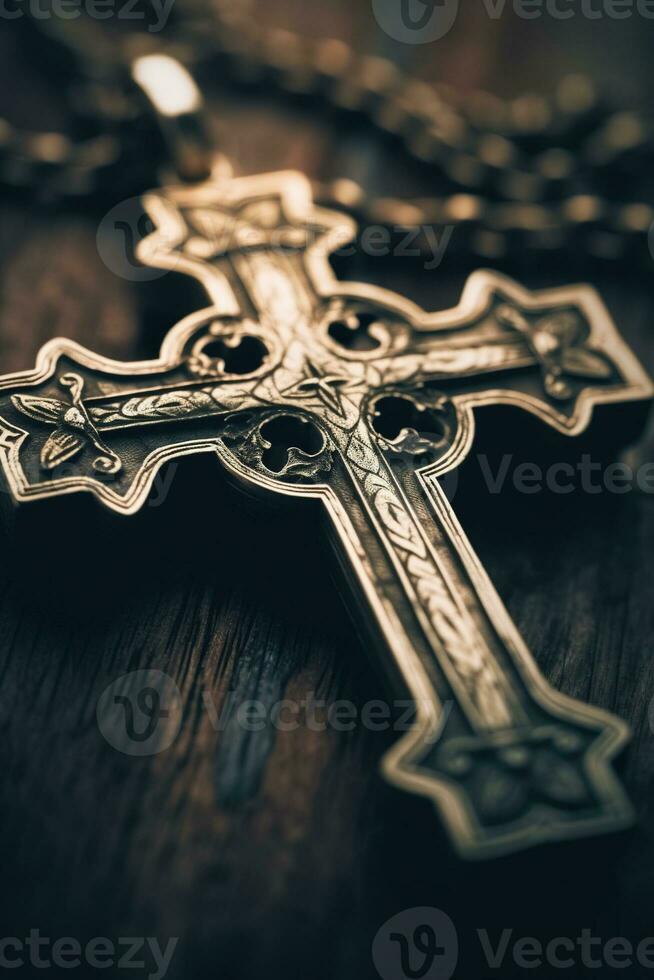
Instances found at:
x=177 y=102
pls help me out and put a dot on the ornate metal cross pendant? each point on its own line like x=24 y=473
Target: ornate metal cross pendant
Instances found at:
x=349 y=394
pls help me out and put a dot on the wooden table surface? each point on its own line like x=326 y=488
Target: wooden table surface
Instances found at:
x=281 y=853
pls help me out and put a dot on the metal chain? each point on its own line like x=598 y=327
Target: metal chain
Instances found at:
x=530 y=175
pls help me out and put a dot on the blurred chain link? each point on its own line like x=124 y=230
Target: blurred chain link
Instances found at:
x=530 y=175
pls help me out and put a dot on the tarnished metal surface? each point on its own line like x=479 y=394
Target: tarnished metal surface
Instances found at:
x=351 y=395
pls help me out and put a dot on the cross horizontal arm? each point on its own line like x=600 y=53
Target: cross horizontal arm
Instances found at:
x=500 y=341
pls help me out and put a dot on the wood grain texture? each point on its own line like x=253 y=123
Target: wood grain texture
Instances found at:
x=281 y=854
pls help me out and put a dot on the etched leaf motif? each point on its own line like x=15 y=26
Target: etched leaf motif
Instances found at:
x=585 y=363
x=172 y=404
x=59 y=447
x=42 y=409
x=100 y=413
x=231 y=397
x=362 y=455
x=559 y=780
x=107 y=414
x=501 y=794
x=398 y=522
